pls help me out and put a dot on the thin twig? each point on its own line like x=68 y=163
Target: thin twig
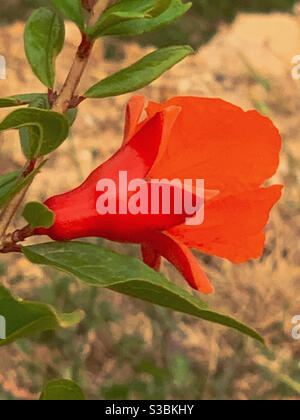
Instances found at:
x=80 y=62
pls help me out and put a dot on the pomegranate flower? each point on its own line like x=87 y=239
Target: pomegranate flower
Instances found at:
x=233 y=151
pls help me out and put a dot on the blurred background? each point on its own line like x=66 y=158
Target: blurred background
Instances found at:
x=128 y=349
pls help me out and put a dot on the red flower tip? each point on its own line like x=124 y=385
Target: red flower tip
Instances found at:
x=180 y=256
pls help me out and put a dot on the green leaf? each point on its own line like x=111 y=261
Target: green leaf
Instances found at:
x=124 y=11
x=7 y=181
x=30 y=141
x=140 y=74
x=117 y=17
x=18 y=100
x=62 y=390
x=8 y=102
x=53 y=128
x=30 y=136
x=71 y=114
x=40 y=101
x=160 y=7
x=163 y=13
x=24 y=319
x=17 y=185
x=100 y=267
x=38 y=215
x=44 y=38
x=72 y=9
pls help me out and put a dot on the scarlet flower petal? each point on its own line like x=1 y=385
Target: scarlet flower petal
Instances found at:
x=138 y=155
x=233 y=226
x=157 y=211
x=182 y=258
x=230 y=149
x=134 y=112
x=233 y=151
